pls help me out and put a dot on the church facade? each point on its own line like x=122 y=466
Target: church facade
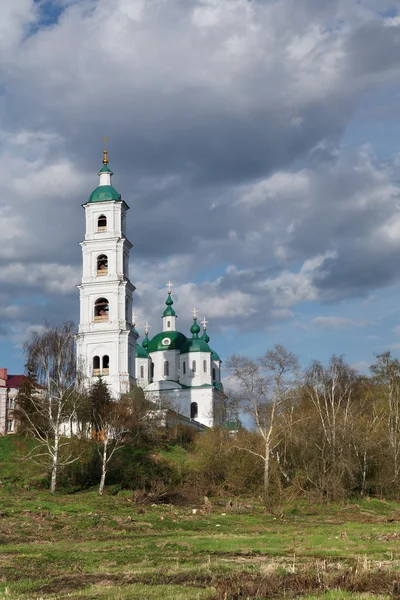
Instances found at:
x=174 y=370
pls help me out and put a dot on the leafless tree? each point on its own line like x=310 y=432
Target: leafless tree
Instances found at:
x=47 y=406
x=263 y=384
x=386 y=372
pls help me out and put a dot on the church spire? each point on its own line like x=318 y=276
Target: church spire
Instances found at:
x=205 y=335
x=105 y=172
x=169 y=315
x=195 y=329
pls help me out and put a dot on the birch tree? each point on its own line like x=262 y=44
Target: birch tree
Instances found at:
x=47 y=406
x=386 y=372
x=263 y=384
x=110 y=422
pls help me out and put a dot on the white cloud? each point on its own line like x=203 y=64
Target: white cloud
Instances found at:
x=338 y=323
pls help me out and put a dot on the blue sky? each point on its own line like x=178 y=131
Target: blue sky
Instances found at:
x=255 y=142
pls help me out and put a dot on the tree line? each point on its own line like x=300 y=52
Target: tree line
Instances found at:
x=324 y=433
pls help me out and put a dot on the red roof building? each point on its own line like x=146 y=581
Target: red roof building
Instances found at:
x=9 y=385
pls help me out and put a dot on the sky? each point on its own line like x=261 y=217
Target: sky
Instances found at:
x=257 y=143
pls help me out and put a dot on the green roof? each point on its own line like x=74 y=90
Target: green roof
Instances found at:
x=177 y=341
x=141 y=352
x=104 y=193
x=205 y=336
x=145 y=342
x=105 y=169
x=214 y=355
x=218 y=385
x=169 y=311
x=196 y=345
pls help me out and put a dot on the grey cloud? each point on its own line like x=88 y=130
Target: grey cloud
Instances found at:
x=203 y=109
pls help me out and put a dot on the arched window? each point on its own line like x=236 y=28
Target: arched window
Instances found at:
x=194 y=411
x=102 y=223
x=213 y=374
x=142 y=372
x=184 y=367
x=102 y=265
x=166 y=368
x=96 y=365
x=152 y=370
x=101 y=309
x=205 y=366
x=194 y=366
x=168 y=324
x=106 y=365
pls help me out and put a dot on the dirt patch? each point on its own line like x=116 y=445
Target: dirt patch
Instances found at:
x=275 y=586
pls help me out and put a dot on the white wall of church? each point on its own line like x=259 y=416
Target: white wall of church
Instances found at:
x=159 y=358
x=201 y=375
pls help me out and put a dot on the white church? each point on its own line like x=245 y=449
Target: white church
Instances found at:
x=181 y=369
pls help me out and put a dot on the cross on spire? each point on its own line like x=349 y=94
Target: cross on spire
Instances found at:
x=204 y=323
x=194 y=311
x=146 y=328
x=169 y=285
x=133 y=318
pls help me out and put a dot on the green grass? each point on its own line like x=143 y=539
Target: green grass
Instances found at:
x=84 y=546
x=96 y=547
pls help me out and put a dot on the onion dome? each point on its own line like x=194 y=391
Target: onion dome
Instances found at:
x=195 y=329
x=105 y=192
x=145 y=342
x=205 y=335
x=196 y=344
x=169 y=311
x=140 y=351
x=167 y=340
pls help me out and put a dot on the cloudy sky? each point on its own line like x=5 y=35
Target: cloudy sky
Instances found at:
x=257 y=143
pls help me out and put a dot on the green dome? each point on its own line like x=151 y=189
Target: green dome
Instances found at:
x=205 y=336
x=196 y=345
x=169 y=311
x=105 y=169
x=104 y=193
x=145 y=342
x=195 y=329
x=176 y=341
x=141 y=352
x=214 y=355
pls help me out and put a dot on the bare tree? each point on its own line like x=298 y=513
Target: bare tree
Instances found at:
x=263 y=385
x=386 y=373
x=47 y=406
x=331 y=390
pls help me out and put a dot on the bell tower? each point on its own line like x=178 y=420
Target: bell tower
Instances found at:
x=106 y=338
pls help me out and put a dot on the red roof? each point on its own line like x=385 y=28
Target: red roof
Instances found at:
x=15 y=381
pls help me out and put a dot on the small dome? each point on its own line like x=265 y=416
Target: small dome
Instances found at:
x=141 y=352
x=104 y=193
x=214 y=356
x=169 y=311
x=195 y=329
x=167 y=340
x=196 y=345
x=145 y=342
x=205 y=336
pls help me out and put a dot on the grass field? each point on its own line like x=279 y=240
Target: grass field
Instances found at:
x=84 y=546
